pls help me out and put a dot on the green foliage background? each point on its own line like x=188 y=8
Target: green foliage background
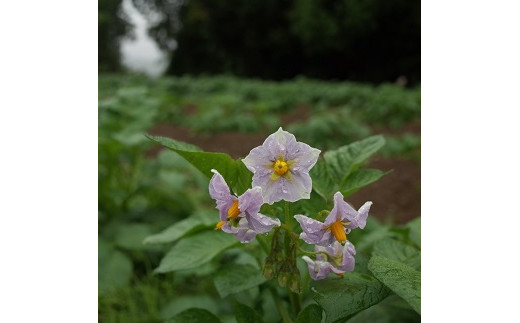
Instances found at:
x=153 y=207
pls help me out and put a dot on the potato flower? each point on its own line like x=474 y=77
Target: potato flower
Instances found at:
x=281 y=167
x=342 y=217
x=338 y=259
x=239 y=215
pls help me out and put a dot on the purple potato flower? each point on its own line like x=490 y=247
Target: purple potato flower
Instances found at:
x=239 y=215
x=281 y=167
x=339 y=260
x=342 y=217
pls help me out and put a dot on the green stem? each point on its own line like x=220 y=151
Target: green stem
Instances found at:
x=295 y=302
x=293 y=297
x=279 y=305
x=305 y=284
x=323 y=213
x=288 y=218
x=288 y=230
x=311 y=253
x=263 y=244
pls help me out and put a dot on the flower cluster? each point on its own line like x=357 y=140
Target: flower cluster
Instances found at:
x=239 y=215
x=280 y=168
x=342 y=217
x=336 y=258
x=334 y=252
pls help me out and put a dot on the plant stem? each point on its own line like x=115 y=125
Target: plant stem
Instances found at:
x=288 y=230
x=263 y=244
x=293 y=297
x=279 y=305
x=311 y=253
x=295 y=302
x=288 y=218
x=305 y=284
x=323 y=213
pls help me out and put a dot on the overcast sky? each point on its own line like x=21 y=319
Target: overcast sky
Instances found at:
x=142 y=53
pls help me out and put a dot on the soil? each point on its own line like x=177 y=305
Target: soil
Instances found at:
x=396 y=197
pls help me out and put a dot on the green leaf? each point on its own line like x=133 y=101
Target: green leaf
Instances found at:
x=194 y=315
x=344 y=160
x=179 y=229
x=322 y=182
x=360 y=179
x=245 y=314
x=342 y=298
x=399 y=251
x=174 y=144
x=235 y=173
x=235 y=278
x=400 y=278
x=392 y=309
x=338 y=169
x=196 y=250
x=415 y=231
x=311 y=313
x=114 y=268
x=310 y=206
x=182 y=303
x=364 y=240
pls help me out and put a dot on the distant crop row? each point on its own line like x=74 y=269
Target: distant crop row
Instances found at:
x=336 y=112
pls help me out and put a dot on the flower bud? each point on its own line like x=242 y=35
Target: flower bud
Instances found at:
x=283 y=279
x=294 y=284
x=269 y=268
x=284 y=275
x=294 y=281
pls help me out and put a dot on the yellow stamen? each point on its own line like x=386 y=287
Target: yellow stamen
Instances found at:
x=339 y=232
x=274 y=177
x=219 y=225
x=281 y=167
x=233 y=211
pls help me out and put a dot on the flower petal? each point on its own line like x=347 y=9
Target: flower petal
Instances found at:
x=218 y=188
x=229 y=228
x=336 y=270
x=278 y=144
x=250 y=201
x=219 y=191
x=298 y=187
x=348 y=261
x=244 y=233
x=303 y=155
x=272 y=190
x=313 y=230
x=309 y=225
x=317 y=269
x=361 y=219
x=261 y=223
x=320 y=256
x=341 y=211
x=335 y=249
x=258 y=159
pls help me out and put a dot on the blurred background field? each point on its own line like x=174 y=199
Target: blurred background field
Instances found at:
x=225 y=94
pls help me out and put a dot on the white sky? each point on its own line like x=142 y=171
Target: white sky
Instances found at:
x=142 y=53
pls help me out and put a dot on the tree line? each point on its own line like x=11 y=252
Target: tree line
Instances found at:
x=362 y=40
